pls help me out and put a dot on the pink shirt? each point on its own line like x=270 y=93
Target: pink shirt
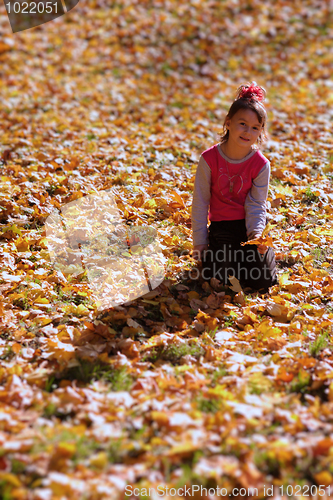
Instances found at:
x=216 y=174
x=231 y=182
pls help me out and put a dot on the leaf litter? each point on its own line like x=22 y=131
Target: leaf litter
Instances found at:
x=192 y=383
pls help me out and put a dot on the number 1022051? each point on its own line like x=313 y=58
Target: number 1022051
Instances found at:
x=32 y=7
x=315 y=491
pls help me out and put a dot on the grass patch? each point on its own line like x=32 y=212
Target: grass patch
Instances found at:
x=85 y=448
x=81 y=447
x=318 y=345
x=300 y=383
x=88 y=371
x=275 y=181
x=189 y=477
x=155 y=314
x=90 y=136
x=207 y=405
x=173 y=353
x=22 y=303
x=5 y=490
x=17 y=466
x=217 y=374
x=8 y=354
x=212 y=333
x=51 y=189
x=309 y=196
x=267 y=463
x=319 y=256
x=229 y=321
x=72 y=297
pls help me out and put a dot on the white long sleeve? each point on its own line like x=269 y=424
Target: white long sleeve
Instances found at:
x=200 y=204
x=255 y=203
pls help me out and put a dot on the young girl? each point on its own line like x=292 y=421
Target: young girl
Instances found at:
x=232 y=183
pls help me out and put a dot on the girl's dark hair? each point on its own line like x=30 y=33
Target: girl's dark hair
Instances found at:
x=249 y=96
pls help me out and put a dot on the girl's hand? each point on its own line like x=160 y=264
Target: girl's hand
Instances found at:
x=262 y=249
x=197 y=252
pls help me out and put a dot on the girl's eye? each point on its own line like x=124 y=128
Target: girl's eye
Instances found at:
x=255 y=128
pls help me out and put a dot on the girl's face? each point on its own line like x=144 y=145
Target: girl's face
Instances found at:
x=244 y=128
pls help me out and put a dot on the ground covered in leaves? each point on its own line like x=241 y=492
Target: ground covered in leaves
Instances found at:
x=192 y=383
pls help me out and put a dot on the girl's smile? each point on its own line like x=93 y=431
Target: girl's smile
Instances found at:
x=244 y=129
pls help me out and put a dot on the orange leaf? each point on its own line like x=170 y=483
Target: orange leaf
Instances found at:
x=323 y=447
x=285 y=376
x=16 y=347
x=267 y=240
x=178 y=199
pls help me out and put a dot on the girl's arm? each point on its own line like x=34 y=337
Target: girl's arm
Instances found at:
x=255 y=203
x=200 y=205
